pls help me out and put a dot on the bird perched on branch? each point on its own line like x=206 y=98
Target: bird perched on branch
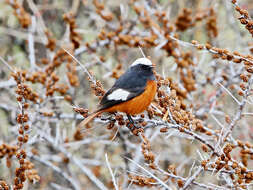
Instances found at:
x=132 y=93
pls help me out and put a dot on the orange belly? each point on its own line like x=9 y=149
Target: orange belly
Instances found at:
x=139 y=103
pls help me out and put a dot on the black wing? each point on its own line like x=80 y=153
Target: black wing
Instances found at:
x=129 y=81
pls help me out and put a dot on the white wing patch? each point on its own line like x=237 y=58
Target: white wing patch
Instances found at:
x=118 y=94
x=143 y=61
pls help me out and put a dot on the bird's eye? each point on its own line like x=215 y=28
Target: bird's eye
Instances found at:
x=144 y=67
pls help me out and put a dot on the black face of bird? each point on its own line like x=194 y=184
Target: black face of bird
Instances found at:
x=141 y=67
x=142 y=71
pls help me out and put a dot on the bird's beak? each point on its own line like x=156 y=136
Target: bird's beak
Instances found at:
x=153 y=65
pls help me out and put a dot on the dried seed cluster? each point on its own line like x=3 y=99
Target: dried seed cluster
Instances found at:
x=235 y=57
x=25 y=171
x=146 y=151
x=75 y=38
x=184 y=20
x=8 y=151
x=100 y=10
x=245 y=18
x=4 y=185
x=141 y=181
x=23 y=17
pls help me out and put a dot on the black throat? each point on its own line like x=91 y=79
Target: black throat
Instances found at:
x=143 y=72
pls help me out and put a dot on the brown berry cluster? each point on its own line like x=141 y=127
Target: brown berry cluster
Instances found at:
x=120 y=119
x=181 y=115
x=49 y=79
x=51 y=42
x=186 y=72
x=24 y=92
x=224 y=54
x=246 y=151
x=174 y=104
x=25 y=170
x=201 y=14
x=243 y=84
x=78 y=135
x=117 y=71
x=147 y=21
x=4 y=185
x=7 y=151
x=238 y=173
x=184 y=20
x=59 y=57
x=147 y=153
x=75 y=38
x=110 y=125
x=37 y=76
x=245 y=18
x=118 y=38
x=100 y=10
x=82 y=111
x=172 y=170
x=211 y=24
x=47 y=114
x=20 y=172
x=31 y=172
x=52 y=78
x=97 y=88
x=141 y=180
x=23 y=17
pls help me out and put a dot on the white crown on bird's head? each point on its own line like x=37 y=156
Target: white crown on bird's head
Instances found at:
x=142 y=61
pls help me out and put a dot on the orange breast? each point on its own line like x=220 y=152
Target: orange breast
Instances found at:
x=139 y=103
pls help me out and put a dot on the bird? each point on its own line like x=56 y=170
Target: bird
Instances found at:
x=131 y=93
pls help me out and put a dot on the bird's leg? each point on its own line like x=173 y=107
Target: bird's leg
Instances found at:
x=134 y=129
x=130 y=119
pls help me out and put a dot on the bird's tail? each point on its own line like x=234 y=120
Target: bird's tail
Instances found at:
x=89 y=118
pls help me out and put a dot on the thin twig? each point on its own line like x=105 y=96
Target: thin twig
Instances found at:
x=141 y=51
x=58 y=170
x=110 y=169
x=6 y=64
x=82 y=66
